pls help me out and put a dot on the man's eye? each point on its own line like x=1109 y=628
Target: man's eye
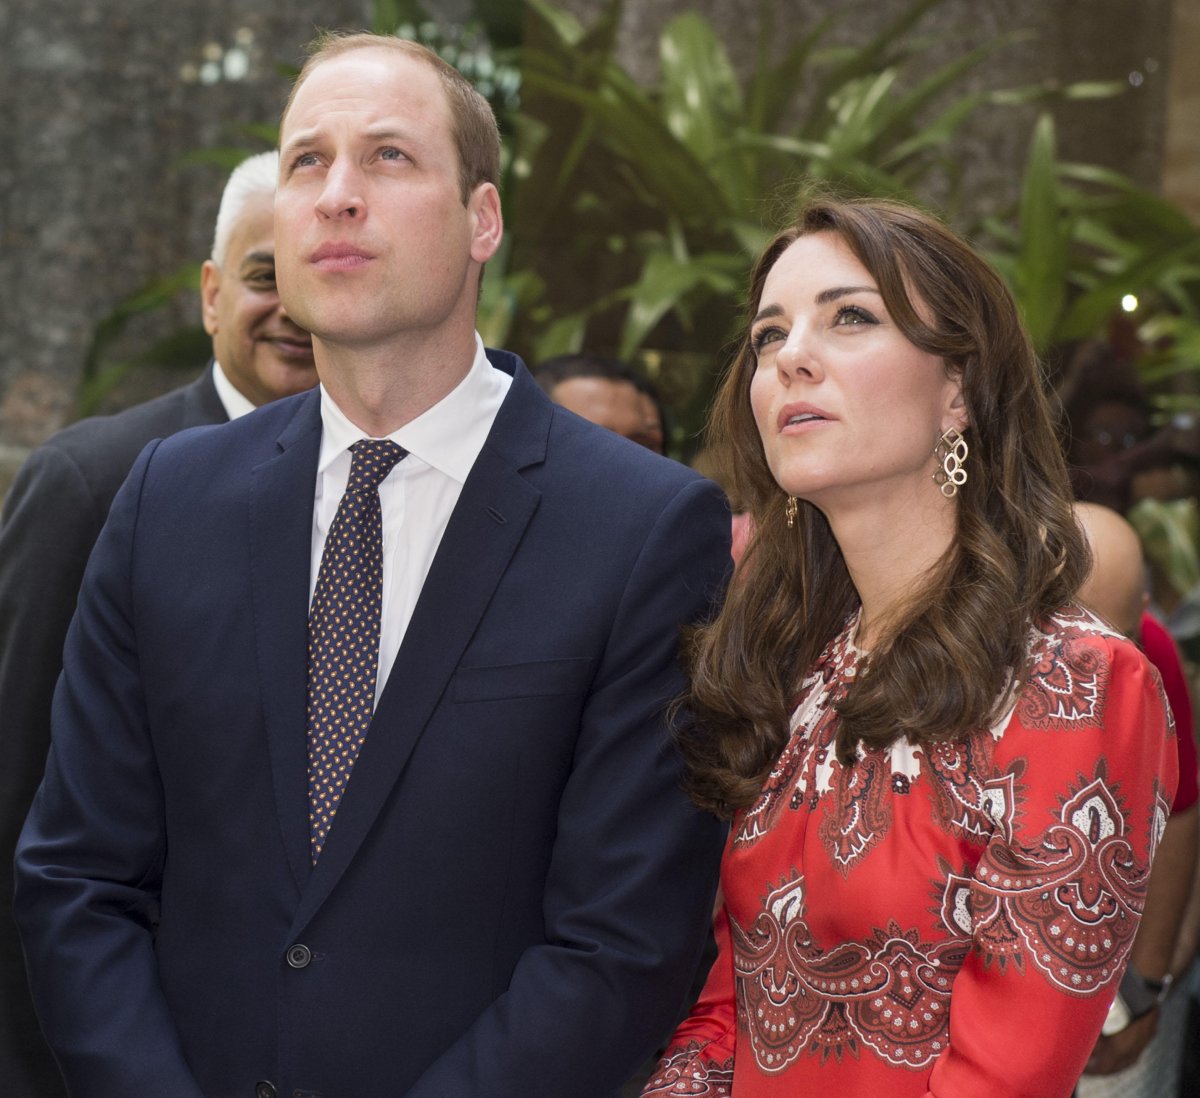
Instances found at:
x=261 y=280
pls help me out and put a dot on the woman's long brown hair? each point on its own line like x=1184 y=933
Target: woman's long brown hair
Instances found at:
x=943 y=669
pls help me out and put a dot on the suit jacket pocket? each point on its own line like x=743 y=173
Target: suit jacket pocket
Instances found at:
x=541 y=678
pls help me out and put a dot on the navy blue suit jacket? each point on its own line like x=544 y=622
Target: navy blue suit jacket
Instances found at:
x=52 y=516
x=515 y=892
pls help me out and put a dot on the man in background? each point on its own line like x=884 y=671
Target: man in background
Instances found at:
x=607 y=392
x=56 y=508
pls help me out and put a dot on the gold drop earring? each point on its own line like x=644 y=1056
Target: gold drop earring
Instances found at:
x=952 y=452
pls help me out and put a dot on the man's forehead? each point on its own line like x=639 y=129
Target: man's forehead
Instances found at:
x=372 y=84
x=253 y=229
x=258 y=257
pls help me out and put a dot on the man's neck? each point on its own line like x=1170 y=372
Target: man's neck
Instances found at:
x=380 y=389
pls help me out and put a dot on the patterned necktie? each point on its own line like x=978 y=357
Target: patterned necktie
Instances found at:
x=343 y=635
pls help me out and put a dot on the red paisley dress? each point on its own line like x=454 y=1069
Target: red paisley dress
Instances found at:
x=948 y=921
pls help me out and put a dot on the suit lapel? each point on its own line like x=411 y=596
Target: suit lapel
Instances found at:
x=484 y=531
x=203 y=404
x=281 y=505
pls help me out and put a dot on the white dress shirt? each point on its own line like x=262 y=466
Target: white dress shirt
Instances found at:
x=234 y=403
x=417 y=496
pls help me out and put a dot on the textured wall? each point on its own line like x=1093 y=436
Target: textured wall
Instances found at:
x=103 y=98
x=102 y=101
x=1069 y=40
x=1181 y=170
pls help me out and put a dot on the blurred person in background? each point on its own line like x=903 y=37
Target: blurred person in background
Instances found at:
x=57 y=506
x=606 y=391
x=1139 y=1053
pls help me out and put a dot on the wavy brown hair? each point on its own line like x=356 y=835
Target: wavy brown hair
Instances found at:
x=944 y=666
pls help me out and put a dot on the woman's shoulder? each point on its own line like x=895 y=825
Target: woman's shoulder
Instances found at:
x=1078 y=666
x=1075 y=628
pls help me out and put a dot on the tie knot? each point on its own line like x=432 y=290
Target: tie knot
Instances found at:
x=372 y=460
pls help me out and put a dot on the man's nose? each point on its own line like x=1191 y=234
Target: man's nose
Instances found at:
x=342 y=195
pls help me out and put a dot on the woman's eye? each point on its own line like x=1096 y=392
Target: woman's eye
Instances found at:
x=766 y=336
x=305 y=160
x=853 y=315
x=390 y=154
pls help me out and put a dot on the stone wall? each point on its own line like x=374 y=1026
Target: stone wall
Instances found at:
x=1181 y=168
x=105 y=100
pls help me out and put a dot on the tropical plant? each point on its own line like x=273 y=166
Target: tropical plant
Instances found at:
x=1086 y=243
x=635 y=210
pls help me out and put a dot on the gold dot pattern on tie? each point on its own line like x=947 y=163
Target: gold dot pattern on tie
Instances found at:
x=343 y=635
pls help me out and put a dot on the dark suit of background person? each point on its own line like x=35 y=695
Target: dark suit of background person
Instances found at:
x=52 y=516
x=513 y=896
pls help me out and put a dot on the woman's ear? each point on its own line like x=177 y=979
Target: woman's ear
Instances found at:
x=954 y=414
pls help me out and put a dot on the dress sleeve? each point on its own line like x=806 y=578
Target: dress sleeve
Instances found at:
x=1082 y=785
x=698 y=1062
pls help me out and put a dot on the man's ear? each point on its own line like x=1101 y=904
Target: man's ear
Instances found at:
x=210 y=287
x=487 y=223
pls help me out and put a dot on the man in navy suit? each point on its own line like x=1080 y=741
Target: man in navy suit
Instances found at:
x=53 y=515
x=511 y=895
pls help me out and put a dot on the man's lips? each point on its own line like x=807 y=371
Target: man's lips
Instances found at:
x=289 y=346
x=334 y=256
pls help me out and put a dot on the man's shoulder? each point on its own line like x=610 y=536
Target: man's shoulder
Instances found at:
x=536 y=430
x=100 y=450
x=612 y=459
x=240 y=442
x=123 y=434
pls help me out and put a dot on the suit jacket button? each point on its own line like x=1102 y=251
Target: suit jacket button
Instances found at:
x=264 y=1089
x=299 y=956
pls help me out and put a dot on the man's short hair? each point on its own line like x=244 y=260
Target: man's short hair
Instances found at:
x=253 y=176
x=476 y=132
x=554 y=371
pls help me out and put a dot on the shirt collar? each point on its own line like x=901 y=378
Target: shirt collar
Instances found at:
x=234 y=403
x=447 y=437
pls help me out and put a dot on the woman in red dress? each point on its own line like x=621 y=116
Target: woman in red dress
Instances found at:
x=945 y=780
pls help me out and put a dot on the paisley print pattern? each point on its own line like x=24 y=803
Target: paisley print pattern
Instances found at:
x=970 y=798
x=1069 y=903
x=1066 y=687
x=686 y=1071
x=863 y=795
x=794 y=776
x=890 y=993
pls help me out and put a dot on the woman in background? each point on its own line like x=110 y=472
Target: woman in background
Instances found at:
x=945 y=780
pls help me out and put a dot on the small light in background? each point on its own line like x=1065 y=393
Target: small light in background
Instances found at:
x=216 y=63
x=1129 y=303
